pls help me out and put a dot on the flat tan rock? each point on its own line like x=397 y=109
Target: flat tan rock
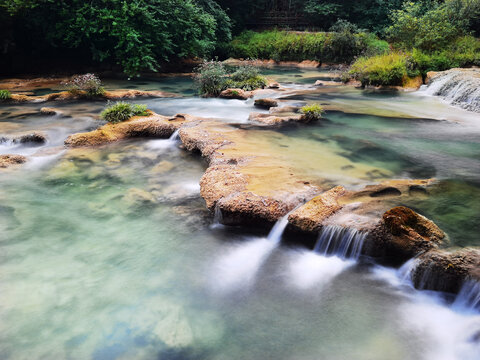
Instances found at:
x=310 y=217
x=7 y=161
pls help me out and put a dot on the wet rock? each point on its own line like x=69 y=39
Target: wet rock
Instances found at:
x=238 y=94
x=266 y=103
x=48 y=111
x=275 y=119
x=402 y=234
x=446 y=271
x=273 y=85
x=11 y=160
x=310 y=217
x=318 y=83
x=284 y=109
x=36 y=138
x=248 y=185
x=154 y=126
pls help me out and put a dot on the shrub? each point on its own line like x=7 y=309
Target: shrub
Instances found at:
x=312 y=112
x=340 y=46
x=89 y=83
x=244 y=73
x=5 y=95
x=122 y=111
x=390 y=69
x=210 y=78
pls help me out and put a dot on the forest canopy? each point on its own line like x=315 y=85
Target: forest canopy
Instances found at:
x=141 y=35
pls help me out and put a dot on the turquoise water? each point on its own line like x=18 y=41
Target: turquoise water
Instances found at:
x=110 y=254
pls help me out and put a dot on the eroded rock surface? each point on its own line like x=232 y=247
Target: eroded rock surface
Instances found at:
x=7 y=161
x=311 y=216
x=155 y=126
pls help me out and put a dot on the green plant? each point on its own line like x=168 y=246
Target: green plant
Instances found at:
x=244 y=73
x=5 y=95
x=89 y=83
x=389 y=69
x=342 y=46
x=210 y=78
x=122 y=111
x=312 y=112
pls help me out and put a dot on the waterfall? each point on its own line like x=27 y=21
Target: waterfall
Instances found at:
x=459 y=87
x=238 y=268
x=276 y=233
x=175 y=136
x=345 y=243
x=469 y=296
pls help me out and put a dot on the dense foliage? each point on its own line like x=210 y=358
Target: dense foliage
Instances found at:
x=122 y=111
x=141 y=35
x=341 y=46
x=137 y=35
x=212 y=78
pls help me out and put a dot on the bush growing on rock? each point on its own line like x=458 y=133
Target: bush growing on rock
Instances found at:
x=212 y=78
x=312 y=112
x=122 y=111
x=5 y=95
x=89 y=83
x=388 y=69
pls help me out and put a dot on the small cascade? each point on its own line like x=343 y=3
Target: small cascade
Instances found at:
x=217 y=218
x=175 y=136
x=276 y=233
x=469 y=297
x=459 y=87
x=239 y=267
x=164 y=144
x=345 y=243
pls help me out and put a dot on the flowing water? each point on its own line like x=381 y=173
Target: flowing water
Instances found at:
x=110 y=254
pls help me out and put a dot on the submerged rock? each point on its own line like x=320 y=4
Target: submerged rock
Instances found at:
x=266 y=103
x=446 y=271
x=238 y=94
x=11 y=160
x=401 y=235
x=137 y=199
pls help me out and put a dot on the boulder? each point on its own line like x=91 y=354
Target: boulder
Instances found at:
x=11 y=160
x=36 y=138
x=49 y=111
x=446 y=271
x=401 y=235
x=273 y=85
x=266 y=103
x=310 y=217
x=238 y=94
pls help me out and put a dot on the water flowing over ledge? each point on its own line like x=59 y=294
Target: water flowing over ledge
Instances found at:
x=459 y=87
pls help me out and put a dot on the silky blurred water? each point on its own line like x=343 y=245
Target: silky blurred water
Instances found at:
x=110 y=254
